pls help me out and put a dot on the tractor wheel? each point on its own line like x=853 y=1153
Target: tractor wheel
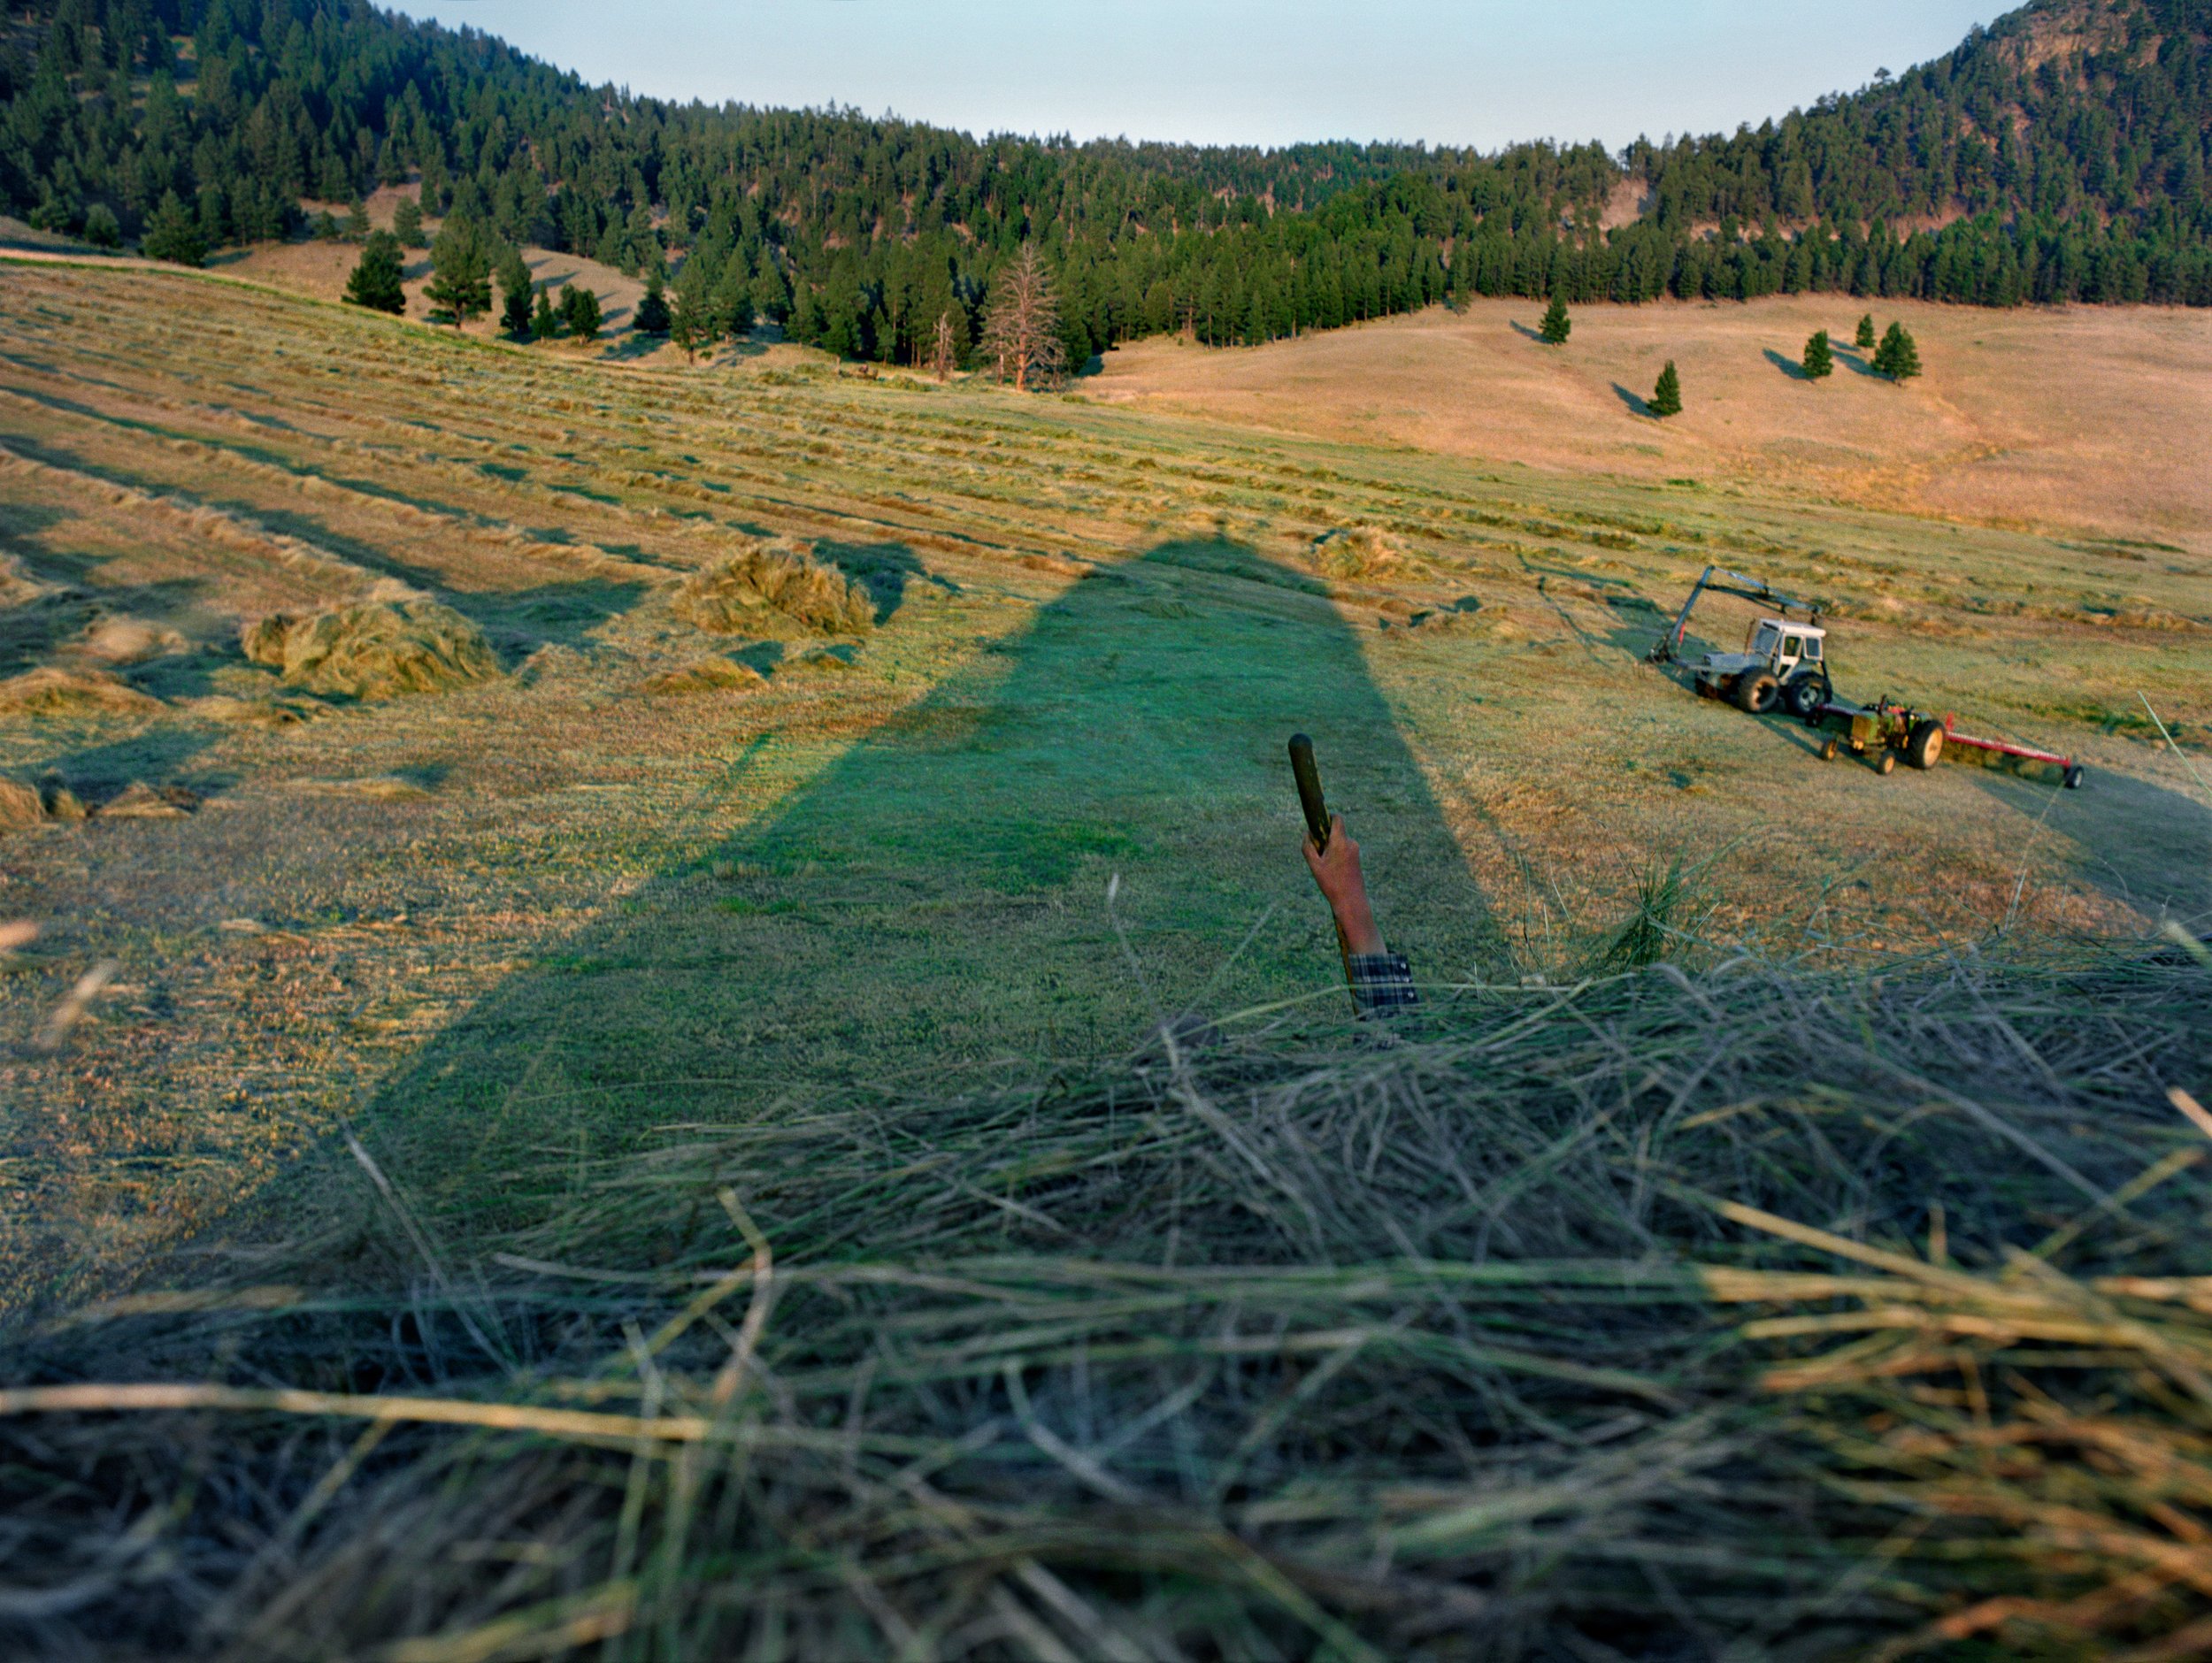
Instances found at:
x=1924 y=746
x=1805 y=695
x=1755 y=693
x=1828 y=750
x=2073 y=777
x=1886 y=763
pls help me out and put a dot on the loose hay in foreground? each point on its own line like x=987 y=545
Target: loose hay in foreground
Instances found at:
x=377 y=649
x=1430 y=1350
x=782 y=577
x=1356 y=551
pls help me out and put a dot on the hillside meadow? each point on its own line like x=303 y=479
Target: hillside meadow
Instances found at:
x=1097 y=627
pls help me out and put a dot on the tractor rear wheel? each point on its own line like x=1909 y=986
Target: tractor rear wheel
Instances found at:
x=1886 y=763
x=1805 y=694
x=1924 y=746
x=1755 y=692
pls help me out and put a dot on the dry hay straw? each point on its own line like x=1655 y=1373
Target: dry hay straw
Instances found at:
x=1291 y=1347
x=709 y=675
x=375 y=649
x=139 y=800
x=782 y=578
x=1356 y=551
x=53 y=691
x=129 y=640
x=21 y=807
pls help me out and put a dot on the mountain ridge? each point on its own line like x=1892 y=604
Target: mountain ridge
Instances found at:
x=2059 y=155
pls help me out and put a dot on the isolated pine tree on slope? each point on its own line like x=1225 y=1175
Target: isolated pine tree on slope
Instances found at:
x=1820 y=361
x=172 y=234
x=515 y=290
x=460 y=271
x=1557 y=326
x=1865 y=338
x=652 y=310
x=375 y=282
x=1666 y=398
x=1899 y=356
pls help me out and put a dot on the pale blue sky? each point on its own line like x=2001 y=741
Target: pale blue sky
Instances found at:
x=1260 y=72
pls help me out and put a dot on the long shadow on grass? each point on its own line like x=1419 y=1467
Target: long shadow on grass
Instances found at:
x=932 y=906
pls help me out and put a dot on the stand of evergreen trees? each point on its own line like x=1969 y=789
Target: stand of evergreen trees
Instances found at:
x=1996 y=176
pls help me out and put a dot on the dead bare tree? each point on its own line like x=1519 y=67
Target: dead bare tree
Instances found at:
x=1021 y=329
x=940 y=354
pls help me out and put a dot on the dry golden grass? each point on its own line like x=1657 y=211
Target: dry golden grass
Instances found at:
x=2067 y=420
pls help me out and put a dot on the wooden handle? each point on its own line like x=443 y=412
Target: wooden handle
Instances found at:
x=1303 y=769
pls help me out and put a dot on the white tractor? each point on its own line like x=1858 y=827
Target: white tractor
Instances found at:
x=1783 y=664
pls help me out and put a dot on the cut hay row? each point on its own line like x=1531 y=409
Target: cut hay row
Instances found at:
x=1753 y=1314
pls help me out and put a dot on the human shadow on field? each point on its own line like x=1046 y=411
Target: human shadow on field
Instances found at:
x=1790 y=367
x=885 y=569
x=931 y=907
x=2145 y=844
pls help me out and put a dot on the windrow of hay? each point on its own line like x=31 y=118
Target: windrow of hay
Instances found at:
x=1431 y=1349
x=374 y=650
x=53 y=691
x=782 y=578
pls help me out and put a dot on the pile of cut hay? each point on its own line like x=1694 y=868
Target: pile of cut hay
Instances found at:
x=52 y=691
x=129 y=640
x=1356 y=551
x=709 y=675
x=376 y=649
x=783 y=579
x=22 y=807
x=1763 y=1313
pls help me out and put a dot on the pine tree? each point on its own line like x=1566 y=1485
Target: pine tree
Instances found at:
x=652 y=311
x=1557 y=326
x=1865 y=339
x=376 y=280
x=580 y=308
x=515 y=290
x=1666 y=398
x=733 y=300
x=357 y=221
x=1899 y=356
x=172 y=234
x=461 y=271
x=1021 y=330
x=1820 y=362
x=691 y=324
x=407 y=223
x=545 y=323
x=101 y=228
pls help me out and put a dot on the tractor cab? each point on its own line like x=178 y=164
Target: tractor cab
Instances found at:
x=1783 y=647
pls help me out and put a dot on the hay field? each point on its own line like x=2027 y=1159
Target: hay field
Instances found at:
x=556 y=908
x=2053 y=419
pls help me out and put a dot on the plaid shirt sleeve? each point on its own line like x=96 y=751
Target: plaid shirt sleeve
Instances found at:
x=1382 y=983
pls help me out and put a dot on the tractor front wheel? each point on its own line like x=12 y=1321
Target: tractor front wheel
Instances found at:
x=1924 y=746
x=1887 y=764
x=1828 y=750
x=1755 y=693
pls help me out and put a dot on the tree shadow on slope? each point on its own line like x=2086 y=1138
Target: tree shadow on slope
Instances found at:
x=934 y=905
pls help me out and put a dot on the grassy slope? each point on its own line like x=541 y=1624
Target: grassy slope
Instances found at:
x=2060 y=420
x=554 y=908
